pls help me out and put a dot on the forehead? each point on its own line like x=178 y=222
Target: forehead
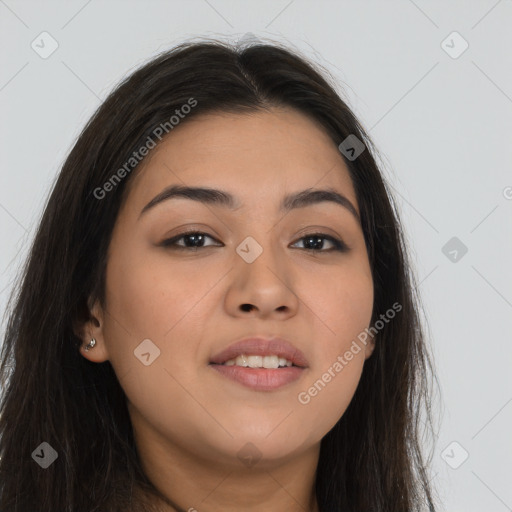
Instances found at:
x=249 y=154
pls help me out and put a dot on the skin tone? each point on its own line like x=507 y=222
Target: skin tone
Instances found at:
x=190 y=422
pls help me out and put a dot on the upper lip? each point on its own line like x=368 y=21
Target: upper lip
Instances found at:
x=261 y=346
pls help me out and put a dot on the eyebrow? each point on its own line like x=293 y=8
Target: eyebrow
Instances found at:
x=216 y=197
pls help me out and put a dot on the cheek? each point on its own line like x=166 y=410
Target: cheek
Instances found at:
x=150 y=301
x=341 y=304
x=342 y=309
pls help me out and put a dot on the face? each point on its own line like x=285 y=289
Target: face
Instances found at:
x=170 y=307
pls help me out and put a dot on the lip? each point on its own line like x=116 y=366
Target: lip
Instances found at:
x=261 y=379
x=260 y=346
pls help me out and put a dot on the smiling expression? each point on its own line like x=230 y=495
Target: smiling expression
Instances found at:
x=230 y=180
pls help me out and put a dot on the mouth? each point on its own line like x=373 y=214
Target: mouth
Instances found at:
x=261 y=364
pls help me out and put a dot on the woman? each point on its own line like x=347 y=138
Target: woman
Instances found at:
x=217 y=311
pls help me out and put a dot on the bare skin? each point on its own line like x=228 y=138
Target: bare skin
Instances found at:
x=191 y=423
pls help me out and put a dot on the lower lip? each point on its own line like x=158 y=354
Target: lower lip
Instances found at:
x=260 y=379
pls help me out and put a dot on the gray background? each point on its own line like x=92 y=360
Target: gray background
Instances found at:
x=443 y=126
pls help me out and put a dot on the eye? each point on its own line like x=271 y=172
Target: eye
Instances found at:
x=196 y=240
x=315 y=241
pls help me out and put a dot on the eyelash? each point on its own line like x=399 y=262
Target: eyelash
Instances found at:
x=170 y=243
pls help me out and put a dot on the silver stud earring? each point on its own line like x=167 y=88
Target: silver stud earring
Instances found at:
x=90 y=345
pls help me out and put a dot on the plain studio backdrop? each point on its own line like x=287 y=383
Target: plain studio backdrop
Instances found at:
x=430 y=81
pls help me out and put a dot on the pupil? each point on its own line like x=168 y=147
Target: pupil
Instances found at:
x=195 y=238
x=314 y=242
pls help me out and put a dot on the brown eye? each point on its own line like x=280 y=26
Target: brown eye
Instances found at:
x=315 y=242
x=191 y=240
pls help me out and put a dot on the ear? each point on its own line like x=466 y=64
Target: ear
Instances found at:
x=369 y=348
x=93 y=327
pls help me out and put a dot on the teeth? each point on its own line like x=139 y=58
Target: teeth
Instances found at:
x=259 y=361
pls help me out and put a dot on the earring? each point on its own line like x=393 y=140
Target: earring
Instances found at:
x=90 y=345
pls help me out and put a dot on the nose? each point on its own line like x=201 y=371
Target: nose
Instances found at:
x=263 y=288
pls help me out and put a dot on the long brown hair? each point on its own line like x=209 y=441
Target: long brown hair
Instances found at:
x=370 y=461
